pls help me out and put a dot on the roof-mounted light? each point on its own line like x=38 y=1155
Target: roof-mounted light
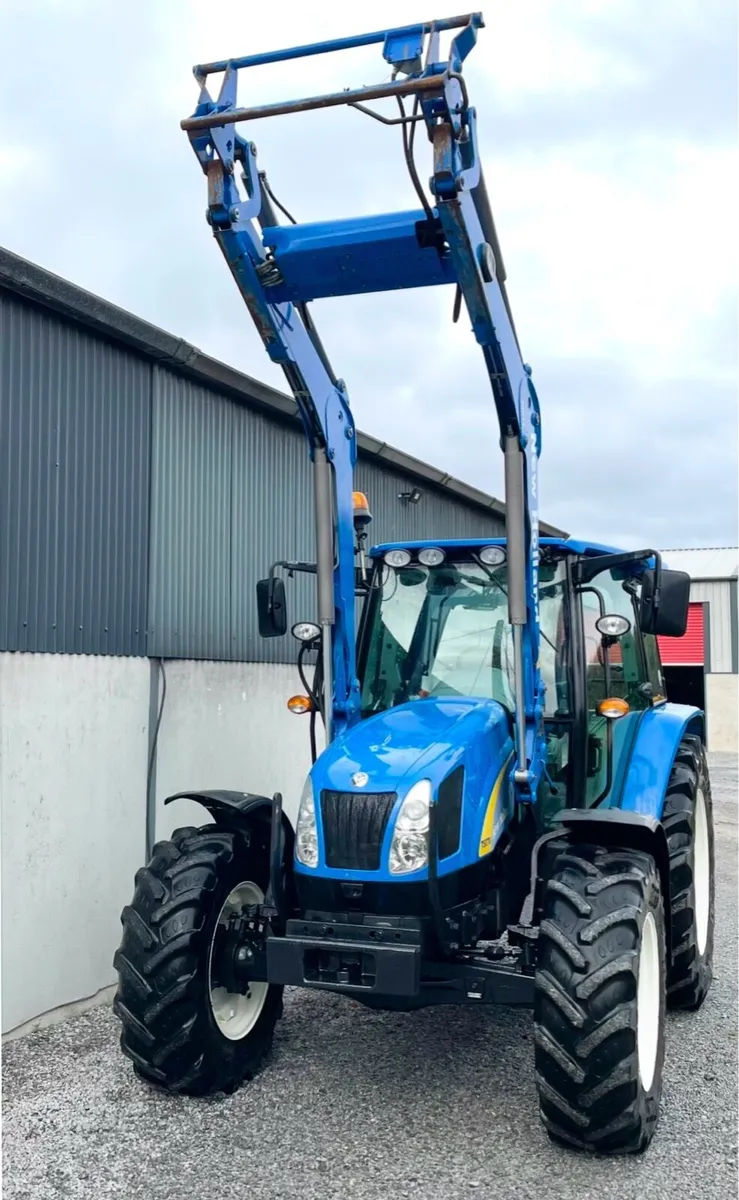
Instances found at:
x=492 y=556
x=397 y=558
x=431 y=556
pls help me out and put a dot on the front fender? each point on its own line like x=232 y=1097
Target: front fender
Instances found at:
x=659 y=734
x=236 y=810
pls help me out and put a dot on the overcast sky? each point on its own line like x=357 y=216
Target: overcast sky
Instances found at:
x=608 y=136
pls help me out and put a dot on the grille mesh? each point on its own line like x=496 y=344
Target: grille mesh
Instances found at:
x=354 y=825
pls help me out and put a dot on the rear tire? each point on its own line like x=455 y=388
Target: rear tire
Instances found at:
x=173 y=1019
x=688 y=822
x=599 y=1007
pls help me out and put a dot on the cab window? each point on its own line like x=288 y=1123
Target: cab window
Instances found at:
x=616 y=670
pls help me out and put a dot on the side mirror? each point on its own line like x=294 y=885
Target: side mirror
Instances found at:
x=670 y=616
x=271 y=607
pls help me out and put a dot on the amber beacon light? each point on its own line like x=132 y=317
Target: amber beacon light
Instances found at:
x=360 y=504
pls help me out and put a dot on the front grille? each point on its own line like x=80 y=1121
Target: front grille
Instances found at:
x=354 y=825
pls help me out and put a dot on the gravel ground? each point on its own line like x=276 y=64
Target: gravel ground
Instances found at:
x=436 y=1105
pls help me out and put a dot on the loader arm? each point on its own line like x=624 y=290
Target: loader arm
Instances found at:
x=450 y=239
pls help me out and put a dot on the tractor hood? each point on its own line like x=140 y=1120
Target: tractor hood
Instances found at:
x=423 y=739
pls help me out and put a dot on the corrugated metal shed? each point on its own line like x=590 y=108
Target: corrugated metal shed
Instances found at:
x=713 y=573
x=74 y=482
x=715 y=562
x=719 y=596
x=190 y=546
x=146 y=487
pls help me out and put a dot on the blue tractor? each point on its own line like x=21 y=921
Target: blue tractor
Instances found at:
x=506 y=808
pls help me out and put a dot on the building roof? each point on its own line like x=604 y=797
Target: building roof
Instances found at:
x=711 y=562
x=28 y=280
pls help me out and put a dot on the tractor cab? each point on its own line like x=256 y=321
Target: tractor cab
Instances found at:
x=434 y=629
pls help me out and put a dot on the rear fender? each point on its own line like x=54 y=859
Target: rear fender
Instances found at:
x=660 y=732
x=614 y=828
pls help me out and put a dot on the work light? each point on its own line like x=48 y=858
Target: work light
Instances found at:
x=431 y=556
x=492 y=556
x=397 y=558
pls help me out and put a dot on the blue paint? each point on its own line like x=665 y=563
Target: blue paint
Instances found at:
x=658 y=737
x=355 y=256
x=424 y=739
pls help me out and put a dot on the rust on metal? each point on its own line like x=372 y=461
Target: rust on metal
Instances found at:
x=404 y=87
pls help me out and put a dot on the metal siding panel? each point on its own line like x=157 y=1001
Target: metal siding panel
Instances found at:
x=435 y=516
x=190 y=551
x=717 y=594
x=734 y=622
x=74 y=464
x=272 y=520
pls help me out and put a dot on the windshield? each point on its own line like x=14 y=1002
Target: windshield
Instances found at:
x=443 y=631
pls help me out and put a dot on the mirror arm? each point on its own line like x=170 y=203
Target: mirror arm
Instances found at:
x=290 y=567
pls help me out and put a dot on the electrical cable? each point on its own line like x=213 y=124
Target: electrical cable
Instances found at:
x=276 y=202
x=151 y=800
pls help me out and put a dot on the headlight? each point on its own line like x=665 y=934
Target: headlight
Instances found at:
x=306 y=835
x=409 y=849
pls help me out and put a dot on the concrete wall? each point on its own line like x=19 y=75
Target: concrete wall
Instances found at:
x=75 y=736
x=225 y=725
x=722 y=713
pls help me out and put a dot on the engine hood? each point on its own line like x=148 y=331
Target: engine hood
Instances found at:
x=423 y=739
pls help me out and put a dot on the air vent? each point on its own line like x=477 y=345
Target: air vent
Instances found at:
x=354 y=825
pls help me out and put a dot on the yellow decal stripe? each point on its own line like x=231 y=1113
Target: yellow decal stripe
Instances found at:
x=486 y=838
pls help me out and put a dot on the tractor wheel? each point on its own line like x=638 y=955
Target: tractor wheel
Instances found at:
x=182 y=1031
x=599 y=1005
x=688 y=821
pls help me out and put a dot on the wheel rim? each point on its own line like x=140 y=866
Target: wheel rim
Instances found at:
x=648 y=1002
x=236 y=1014
x=701 y=872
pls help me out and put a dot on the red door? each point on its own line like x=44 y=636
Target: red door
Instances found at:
x=688 y=650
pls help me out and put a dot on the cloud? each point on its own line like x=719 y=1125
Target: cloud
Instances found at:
x=608 y=138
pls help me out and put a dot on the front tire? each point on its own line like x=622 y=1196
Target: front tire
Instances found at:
x=599 y=1006
x=181 y=1032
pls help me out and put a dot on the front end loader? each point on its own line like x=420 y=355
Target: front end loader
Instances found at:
x=505 y=808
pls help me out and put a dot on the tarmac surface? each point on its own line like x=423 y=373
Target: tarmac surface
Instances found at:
x=437 y=1105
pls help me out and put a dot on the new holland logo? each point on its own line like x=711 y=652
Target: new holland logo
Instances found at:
x=360 y=779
